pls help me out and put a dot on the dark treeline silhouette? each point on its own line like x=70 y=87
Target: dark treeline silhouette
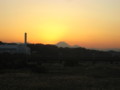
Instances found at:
x=3 y=43
x=41 y=53
x=52 y=53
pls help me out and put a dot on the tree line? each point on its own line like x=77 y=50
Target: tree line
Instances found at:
x=41 y=53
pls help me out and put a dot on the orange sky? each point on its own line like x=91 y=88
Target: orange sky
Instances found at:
x=88 y=23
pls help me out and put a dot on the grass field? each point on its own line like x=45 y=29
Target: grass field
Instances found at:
x=83 y=77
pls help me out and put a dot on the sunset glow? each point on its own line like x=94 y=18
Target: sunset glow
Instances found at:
x=88 y=23
x=52 y=32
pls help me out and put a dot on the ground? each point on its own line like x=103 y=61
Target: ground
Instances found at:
x=84 y=77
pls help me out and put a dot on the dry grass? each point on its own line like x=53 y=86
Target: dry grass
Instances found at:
x=98 y=77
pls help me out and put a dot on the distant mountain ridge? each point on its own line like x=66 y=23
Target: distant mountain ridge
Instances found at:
x=64 y=45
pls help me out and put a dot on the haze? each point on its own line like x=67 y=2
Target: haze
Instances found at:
x=88 y=23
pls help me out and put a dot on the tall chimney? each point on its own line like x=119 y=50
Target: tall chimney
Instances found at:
x=25 y=37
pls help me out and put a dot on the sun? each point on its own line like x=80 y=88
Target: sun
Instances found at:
x=52 y=32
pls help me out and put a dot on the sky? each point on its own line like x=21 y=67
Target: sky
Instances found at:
x=87 y=23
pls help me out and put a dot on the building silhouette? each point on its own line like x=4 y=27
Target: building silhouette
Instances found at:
x=16 y=49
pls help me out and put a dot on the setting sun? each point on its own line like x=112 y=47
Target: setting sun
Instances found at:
x=52 y=32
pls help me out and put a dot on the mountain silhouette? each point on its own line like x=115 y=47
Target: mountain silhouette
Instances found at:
x=62 y=44
x=75 y=46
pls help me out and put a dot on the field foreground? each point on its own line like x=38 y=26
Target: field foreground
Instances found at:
x=97 y=77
